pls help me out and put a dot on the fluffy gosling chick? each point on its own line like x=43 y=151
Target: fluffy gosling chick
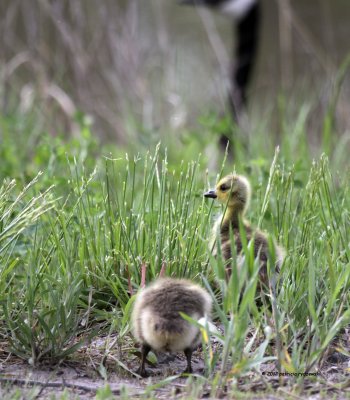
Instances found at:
x=234 y=191
x=157 y=323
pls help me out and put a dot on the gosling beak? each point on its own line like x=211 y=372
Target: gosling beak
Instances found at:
x=211 y=194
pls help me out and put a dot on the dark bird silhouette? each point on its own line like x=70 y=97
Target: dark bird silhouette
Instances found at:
x=246 y=15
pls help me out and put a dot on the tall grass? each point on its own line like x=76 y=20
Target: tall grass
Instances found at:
x=71 y=256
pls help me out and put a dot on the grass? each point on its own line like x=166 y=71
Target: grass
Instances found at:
x=73 y=239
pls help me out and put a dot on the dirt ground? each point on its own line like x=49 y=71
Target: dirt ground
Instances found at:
x=86 y=374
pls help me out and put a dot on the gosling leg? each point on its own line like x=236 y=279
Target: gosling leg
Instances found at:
x=188 y=354
x=145 y=349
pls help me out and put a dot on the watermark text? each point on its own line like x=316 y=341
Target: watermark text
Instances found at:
x=272 y=373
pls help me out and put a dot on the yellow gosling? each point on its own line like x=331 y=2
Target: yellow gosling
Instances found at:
x=234 y=192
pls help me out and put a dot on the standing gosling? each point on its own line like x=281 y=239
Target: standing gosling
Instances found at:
x=157 y=323
x=234 y=191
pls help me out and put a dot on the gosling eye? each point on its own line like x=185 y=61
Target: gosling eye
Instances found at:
x=224 y=187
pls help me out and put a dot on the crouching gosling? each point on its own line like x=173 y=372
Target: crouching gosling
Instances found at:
x=157 y=323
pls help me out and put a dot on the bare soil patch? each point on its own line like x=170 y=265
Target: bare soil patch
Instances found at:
x=91 y=369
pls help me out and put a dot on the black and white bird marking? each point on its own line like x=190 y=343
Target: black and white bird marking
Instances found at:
x=246 y=16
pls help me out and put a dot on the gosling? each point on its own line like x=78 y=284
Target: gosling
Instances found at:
x=234 y=191
x=157 y=323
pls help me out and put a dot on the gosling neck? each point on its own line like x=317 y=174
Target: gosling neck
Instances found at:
x=232 y=216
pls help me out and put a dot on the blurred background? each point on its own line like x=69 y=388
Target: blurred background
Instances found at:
x=141 y=70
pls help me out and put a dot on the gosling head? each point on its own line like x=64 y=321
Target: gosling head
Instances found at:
x=233 y=190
